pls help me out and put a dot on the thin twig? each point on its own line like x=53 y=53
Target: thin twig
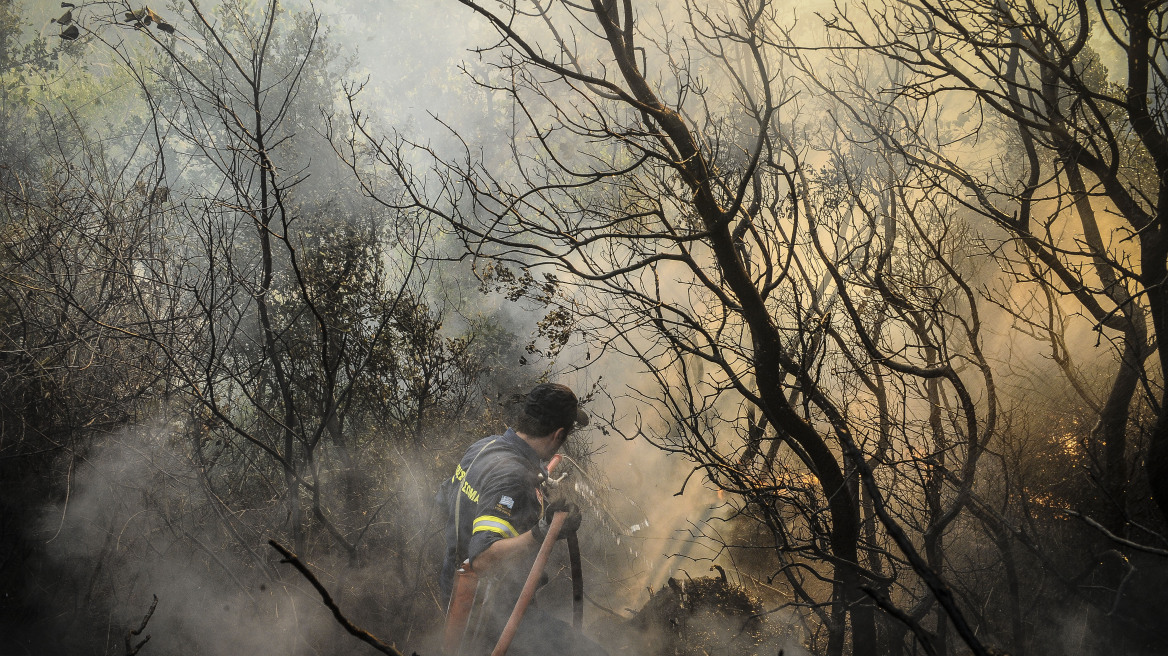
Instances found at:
x=131 y=648
x=1124 y=541
x=353 y=629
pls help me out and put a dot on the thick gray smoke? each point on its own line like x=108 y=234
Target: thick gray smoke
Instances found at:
x=137 y=523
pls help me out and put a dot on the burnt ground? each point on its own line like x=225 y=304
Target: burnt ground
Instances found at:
x=695 y=617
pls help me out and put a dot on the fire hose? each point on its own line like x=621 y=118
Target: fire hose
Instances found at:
x=577 y=582
x=530 y=585
x=574 y=561
x=466 y=583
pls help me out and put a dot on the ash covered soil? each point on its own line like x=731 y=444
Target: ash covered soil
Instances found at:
x=698 y=617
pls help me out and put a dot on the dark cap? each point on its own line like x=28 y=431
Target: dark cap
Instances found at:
x=552 y=404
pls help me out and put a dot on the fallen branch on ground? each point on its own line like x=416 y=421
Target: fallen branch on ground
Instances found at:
x=354 y=630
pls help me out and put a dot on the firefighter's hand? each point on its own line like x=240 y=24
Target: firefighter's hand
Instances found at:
x=571 y=523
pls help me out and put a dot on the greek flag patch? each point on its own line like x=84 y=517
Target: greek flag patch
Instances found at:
x=507 y=502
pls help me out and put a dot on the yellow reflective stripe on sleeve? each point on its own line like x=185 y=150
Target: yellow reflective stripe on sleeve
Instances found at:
x=494 y=525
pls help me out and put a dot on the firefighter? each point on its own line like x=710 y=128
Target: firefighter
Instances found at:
x=498 y=518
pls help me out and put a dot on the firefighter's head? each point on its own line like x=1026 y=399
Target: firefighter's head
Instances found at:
x=549 y=410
